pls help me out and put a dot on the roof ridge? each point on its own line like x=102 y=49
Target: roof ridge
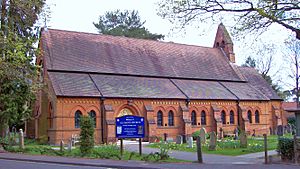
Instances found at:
x=138 y=39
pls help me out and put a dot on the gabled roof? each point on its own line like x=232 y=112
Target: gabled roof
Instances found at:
x=85 y=52
x=92 y=65
x=258 y=82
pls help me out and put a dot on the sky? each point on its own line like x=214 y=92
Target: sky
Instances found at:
x=78 y=15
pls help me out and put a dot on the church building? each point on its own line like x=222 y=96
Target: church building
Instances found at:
x=177 y=88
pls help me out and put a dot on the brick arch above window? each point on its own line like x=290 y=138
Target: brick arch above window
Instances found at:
x=75 y=108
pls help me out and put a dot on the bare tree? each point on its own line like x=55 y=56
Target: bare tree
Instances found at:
x=248 y=15
x=292 y=55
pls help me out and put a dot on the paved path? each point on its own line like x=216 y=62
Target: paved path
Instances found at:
x=255 y=158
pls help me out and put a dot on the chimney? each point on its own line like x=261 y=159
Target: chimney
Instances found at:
x=224 y=42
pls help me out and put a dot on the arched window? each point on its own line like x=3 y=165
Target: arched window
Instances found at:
x=159 y=118
x=78 y=114
x=171 y=118
x=256 y=116
x=249 y=116
x=194 y=118
x=223 y=117
x=231 y=117
x=92 y=115
x=203 y=118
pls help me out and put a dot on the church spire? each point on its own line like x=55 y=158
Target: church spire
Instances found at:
x=224 y=42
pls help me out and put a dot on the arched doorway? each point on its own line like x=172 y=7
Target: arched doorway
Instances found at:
x=125 y=112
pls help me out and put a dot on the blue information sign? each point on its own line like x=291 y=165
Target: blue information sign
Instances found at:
x=130 y=127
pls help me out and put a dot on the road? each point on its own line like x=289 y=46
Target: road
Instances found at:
x=13 y=164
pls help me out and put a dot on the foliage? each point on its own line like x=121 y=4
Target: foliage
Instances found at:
x=105 y=151
x=291 y=120
x=286 y=148
x=17 y=73
x=292 y=56
x=196 y=134
x=86 y=135
x=247 y=15
x=126 y=24
x=226 y=146
x=251 y=62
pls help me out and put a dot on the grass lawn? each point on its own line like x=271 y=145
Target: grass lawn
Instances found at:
x=227 y=146
x=100 y=152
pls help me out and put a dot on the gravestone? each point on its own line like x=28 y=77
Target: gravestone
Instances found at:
x=243 y=139
x=203 y=135
x=280 y=130
x=288 y=128
x=212 y=141
x=70 y=144
x=21 y=139
x=190 y=142
x=179 y=139
x=221 y=133
x=61 y=147
x=254 y=133
x=236 y=134
x=170 y=139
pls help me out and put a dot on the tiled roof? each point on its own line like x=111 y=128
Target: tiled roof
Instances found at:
x=85 y=52
x=289 y=105
x=91 y=65
x=136 y=87
x=259 y=83
x=244 y=91
x=196 y=89
x=73 y=84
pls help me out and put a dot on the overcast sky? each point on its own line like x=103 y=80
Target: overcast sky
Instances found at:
x=78 y=15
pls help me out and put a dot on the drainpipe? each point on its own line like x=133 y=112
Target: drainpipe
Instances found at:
x=102 y=111
x=238 y=112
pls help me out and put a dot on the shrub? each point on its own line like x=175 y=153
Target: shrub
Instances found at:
x=196 y=134
x=286 y=148
x=86 y=135
x=107 y=152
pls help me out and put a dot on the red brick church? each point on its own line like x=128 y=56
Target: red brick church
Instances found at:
x=177 y=88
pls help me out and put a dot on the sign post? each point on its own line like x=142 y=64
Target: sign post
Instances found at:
x=130 y=127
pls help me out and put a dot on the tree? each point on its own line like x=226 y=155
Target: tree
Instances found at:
x=86 y=135
x=248 y=15
x=17 y=73
x=126 y=24
x=250 y=62
x=292 y=55
x=263 y=67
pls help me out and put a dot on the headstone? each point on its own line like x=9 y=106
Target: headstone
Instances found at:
x=236 y=134
x=243 y=140
x=190 y=142
x=254 y=133
x=203 y=135
x=179 y=139
x=70 y=144
x=280 y=130
x=271 y=131
x=212 y=141
x=170 y=139
x=61 y=147
x=21 y=139
x=221 y=133
x=290 y=128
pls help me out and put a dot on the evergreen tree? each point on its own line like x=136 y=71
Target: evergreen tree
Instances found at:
x=126 y=24
x=86 y=135
x=17 y=73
